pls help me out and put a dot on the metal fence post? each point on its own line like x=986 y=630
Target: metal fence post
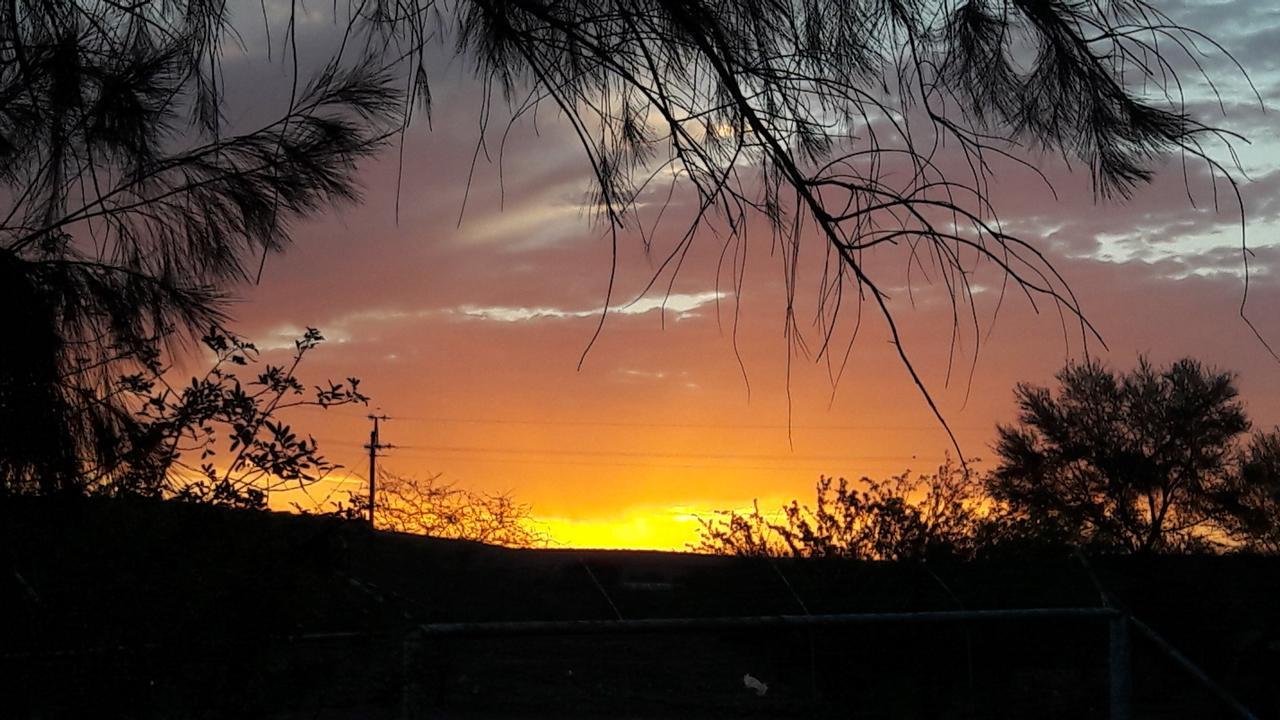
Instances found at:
x=1121 y=687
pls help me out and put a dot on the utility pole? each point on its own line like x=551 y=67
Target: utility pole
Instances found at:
x=374 y=446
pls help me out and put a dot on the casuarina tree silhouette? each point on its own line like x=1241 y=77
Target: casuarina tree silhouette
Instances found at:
x=130 y=213
x=1251 y=500
x=1142 y=461
x=823 y=117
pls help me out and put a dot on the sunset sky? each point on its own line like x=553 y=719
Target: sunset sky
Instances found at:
x=466 y=326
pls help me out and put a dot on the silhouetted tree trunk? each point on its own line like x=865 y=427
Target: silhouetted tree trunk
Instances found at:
x=36 y=450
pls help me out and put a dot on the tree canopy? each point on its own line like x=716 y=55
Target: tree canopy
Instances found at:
x=1251 y=503
x=132 y=212
x=131 y=215
x=1141 y=460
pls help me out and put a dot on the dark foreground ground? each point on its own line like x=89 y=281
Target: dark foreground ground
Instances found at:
x=146 y=610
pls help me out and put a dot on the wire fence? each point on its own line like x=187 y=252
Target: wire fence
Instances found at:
x=1009 y=663
x=1043 y=663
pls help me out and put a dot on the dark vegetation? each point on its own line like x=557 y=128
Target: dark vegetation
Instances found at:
x=130 y=212
x=436 y=508
x=1156 y=460
x=147 y=609
x=139 y=606
x=219 y=438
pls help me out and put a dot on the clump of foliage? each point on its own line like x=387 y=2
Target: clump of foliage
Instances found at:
x=903 y=518
x=429 y=506
x=221 y=437
x=1141 y=461
x=243 y=419
x=1251 y=500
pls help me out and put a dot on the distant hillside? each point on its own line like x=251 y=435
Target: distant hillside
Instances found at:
x=149 y=609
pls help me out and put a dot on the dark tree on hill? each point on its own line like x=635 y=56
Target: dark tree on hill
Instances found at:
x=1140 y=461
x=132 y=212
x=1252 y=501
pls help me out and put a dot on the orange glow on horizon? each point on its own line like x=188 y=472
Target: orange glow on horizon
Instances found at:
x=656 y=531
x=672 y=528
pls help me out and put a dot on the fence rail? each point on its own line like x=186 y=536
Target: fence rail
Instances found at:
x=1119 y=624
x=716 y=624
x=417 y=643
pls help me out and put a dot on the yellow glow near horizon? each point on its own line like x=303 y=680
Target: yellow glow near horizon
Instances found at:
x=648 y=529
x=672 y=528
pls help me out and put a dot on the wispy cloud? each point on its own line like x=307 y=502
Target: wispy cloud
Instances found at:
x=283 y=337
x=515 y=314
x=683 y=305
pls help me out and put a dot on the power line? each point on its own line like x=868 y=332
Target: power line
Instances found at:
x=604 y=464
x=660 y=454
x=663 y=466
x=424 y=450
x=681 y=426
x=678 y=426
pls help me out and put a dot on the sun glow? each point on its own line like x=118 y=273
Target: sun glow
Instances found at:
x=672 y=528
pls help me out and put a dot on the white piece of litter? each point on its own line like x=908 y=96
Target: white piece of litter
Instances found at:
x=754 y=684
